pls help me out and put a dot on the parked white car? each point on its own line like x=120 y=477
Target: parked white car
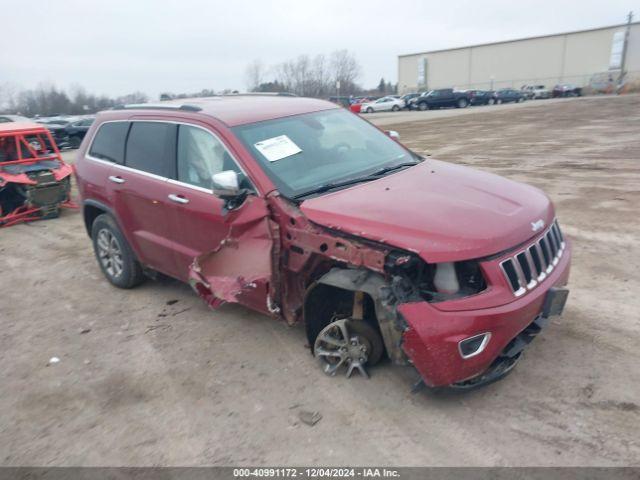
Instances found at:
x=383 y=104
x=536 y=91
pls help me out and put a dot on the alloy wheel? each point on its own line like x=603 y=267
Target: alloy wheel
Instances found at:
x=110 y=253
x=337 y=345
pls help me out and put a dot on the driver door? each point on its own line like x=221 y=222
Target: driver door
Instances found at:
x=202 y=229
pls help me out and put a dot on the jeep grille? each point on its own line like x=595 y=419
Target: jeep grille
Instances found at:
x=531 y=265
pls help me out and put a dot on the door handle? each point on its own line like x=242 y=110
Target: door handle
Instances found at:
x=178 y=198
x=115 y=179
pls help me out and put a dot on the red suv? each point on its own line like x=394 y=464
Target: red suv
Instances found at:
x=303 y=211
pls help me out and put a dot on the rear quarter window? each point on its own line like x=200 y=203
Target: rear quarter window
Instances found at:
x=108 y=143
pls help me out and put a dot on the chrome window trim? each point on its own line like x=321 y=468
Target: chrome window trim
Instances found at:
x=169 y=180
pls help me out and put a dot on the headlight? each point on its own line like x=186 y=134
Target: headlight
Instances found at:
x=412 y=277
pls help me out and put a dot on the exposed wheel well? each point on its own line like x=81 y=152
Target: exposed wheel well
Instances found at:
x=323 y=303
x=90 y=213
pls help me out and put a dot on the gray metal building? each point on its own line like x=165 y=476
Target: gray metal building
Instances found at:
x=574 y=57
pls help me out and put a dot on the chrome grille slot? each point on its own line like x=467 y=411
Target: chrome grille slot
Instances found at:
x=546 y=253
x=535 y=257
x=523 y=261
x=529 y=267
x=509 y=269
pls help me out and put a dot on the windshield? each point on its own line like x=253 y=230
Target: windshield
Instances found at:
x=303 y=152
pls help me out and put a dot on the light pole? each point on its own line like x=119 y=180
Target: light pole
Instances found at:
x=624 y=51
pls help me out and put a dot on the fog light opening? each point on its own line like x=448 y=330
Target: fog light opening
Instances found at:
x=472 y=346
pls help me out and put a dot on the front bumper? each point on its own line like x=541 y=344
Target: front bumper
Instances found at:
x=431 y=340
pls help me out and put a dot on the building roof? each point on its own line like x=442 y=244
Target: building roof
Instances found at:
x=236 y=110
x=517 y=40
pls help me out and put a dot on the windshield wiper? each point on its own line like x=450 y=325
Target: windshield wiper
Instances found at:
x=368 y=178
x=384 y=170
x=333 y=185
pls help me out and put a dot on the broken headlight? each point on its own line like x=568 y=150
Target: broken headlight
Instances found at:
x=412 y=278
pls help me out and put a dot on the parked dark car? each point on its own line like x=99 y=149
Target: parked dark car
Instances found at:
x=481 y=97
x=57 y=131
x=443 y=97
x=566 y=90
x=407 y=97
x=507 y=95
x=77 y=130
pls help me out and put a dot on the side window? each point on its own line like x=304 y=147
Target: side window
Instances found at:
x=200 y=156
x=150 y=148
x=108 y=143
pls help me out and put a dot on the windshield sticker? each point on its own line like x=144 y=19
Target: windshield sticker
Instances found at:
x=277 y=148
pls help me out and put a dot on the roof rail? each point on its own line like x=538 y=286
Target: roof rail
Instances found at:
x=155 y=106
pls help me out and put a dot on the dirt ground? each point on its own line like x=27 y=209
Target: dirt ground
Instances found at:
x=153 y=377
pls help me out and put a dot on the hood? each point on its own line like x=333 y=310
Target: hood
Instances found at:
x=441 y=211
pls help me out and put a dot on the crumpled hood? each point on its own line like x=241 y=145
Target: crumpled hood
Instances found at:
x=441 y=211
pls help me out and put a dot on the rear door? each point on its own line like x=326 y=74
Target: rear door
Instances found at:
x=138 y=192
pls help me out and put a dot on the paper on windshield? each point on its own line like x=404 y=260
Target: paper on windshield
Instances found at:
x=277 y=148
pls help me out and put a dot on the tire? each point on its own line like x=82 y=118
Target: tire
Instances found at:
x=422 y=106
x=491 y=101
x=395 y=108
x=369 y=110
x=462 y=103
x=121 y=269
x=75 y=142
x=499 y=101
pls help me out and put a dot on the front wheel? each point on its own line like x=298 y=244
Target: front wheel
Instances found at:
x=499 y=101
x=423 y=106
x=491 y=101
x=369 y=110
x=352 y=344
x=395 y=108
x=114 y=255
x=462 y=103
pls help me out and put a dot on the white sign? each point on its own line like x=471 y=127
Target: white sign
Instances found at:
x=277 y=148
x=617 y=46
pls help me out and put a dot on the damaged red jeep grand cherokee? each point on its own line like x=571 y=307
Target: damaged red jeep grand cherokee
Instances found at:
x=303 y=211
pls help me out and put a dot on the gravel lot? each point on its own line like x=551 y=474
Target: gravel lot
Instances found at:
x=159 y=379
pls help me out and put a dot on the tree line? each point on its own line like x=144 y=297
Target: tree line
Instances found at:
x=48 y=100
x=318 y=76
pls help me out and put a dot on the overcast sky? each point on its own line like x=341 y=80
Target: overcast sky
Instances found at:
x=119 y=46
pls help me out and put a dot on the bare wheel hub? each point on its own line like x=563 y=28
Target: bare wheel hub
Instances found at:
x=336 y=346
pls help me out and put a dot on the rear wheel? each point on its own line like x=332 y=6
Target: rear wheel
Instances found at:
x=369 y=110
x=114 y=255
x=491 y=101
x=499 y=101
x=395 y=108
x=462 y=103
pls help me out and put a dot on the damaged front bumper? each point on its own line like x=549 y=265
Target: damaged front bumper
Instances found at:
x=433 y=337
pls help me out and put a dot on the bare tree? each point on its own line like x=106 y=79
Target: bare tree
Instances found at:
x=346 y=70
x=254 y=75
x=7 y=96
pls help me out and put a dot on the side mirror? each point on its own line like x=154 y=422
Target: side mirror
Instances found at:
x=393 y=134
x=225 y=184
